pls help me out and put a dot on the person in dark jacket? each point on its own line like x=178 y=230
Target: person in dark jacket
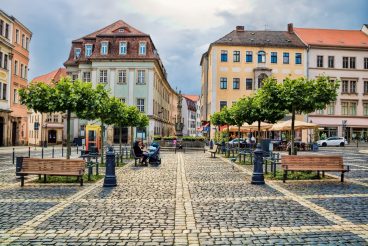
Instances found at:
x=137 y=148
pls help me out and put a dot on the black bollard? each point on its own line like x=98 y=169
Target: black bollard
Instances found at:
x=110 y=178
x=77 y=148
x=42 y=152
x=13 y=156
x=62 y=151
x=29 y=152
x=53 y=152
x=257 y=177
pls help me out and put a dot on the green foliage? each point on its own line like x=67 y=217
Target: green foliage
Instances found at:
x=169 y=138
x=67 y=179
x=297 y=175
x=157 y=137
x=191 y=138
x=37 y=96
x=133 y=115
x=143 y=121
x=216 y=119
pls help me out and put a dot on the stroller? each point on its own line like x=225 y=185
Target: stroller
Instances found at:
x=154 y=155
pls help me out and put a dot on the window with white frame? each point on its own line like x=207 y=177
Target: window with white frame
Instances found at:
x=103 y=76
x=74 y=77
x=23 y=40
x=88 y=50
x=122 y=99
x=86 y=76
x=25 y=72
x=16 y=67
x=122 y=76
x=17 y=36
x=77 y=52
x=27 y=43
x=104 y=47
x=15 y=96
x=142 y=48
x=331 y=108
x=140 y=104
x=141 y=77
x=21 y=70
x=123 y=48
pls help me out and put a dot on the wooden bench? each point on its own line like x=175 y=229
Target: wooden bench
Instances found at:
x=213 y=151
x=135 y=157
x=313 y=163
x=52 y=167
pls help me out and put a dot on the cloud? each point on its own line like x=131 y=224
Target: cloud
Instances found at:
x=181 y=30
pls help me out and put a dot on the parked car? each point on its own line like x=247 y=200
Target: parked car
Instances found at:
x=235 y=141
x=332 y=141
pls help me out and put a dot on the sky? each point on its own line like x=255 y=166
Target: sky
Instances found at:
x=181 y=30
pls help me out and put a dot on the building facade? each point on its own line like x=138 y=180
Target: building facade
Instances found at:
x=235 y=65
x=46 y=129
x=189 y=113
x=6 y=47
x=19 y=76
x=342 y=55
x=127 y=62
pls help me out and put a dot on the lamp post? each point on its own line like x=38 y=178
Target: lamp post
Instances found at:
x=110 y=177
x=257 y=176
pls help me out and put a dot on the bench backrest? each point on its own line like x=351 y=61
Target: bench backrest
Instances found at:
x=215 y=148
x=133 y=153
x=312 y=160
x=56 y=165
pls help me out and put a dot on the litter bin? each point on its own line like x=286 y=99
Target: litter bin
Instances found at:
x=314 y=147
x=265 y=145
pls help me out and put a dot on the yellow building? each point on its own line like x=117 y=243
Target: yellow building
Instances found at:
x=235 y=65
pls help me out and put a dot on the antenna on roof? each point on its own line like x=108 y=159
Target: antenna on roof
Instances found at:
x=265 y=27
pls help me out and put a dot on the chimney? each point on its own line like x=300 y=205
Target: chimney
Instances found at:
x=290 y=28
x=240 y=28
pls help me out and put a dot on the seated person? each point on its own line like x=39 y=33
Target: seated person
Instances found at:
x=137 y=148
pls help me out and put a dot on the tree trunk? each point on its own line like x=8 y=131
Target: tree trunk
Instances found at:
x=131 y=136
x=102 y=142
x=292 y=131
x=228 y=132
x=120 y=135
x=259 y=132
x=68 y=146
x=238 y=137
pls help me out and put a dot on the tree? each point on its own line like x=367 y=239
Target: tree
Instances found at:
x=217 y=120
x=133 y=119
x=305 y=96
x=227 y=119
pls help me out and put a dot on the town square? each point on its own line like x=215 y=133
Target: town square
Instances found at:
x=183 y=123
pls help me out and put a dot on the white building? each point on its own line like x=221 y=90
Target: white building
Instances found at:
x=189 y=114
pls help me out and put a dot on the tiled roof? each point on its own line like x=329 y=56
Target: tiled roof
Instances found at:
x=261 y=38
x=333 y=37
x=194 y=98
x=51 y=77
x=118 y=28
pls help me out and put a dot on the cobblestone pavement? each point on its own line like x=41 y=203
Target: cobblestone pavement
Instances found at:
x=190 y=199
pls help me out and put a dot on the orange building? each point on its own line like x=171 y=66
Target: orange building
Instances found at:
x=19 y=76
x=50 y=130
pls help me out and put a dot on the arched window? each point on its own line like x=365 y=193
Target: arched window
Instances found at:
x=261 y=57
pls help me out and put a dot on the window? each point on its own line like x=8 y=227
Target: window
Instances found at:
x=104 y=48
x=298 y=58
x=1 y=59
x=21 y=70
x=365 y=89
x=123 y=48
x=223 y=83
x=365 y=108
x=88 y=50
x=6 y=61
x=23 y=40
x=319 y=111
x=122 y=76
x=352 y=86
x=331 y=61
x=286 y=58
x=141 y=77
x=348 y=108
x=261 y=57
x=4 y=91
x=74 y=77
x=16 y=67
x=345 y=86
x=1 y=27
x=15 y=98
x=86 y=76
x=365 y=62
x=223 y=104
x=25 y=72
x=331 y=108
x=273 y=57
x=140 y=104
x=27 y=43
x=319 y=61
x=77 y=52
x=142 y=48
x=236 y=83
x=103 y=76
x=249 y=56
x=223 y=56
x=345 y=62
x=17 y=36
x=236 y=56
x=352 y=62
x=7 y=30
x=122 y=100
x=249 y=84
